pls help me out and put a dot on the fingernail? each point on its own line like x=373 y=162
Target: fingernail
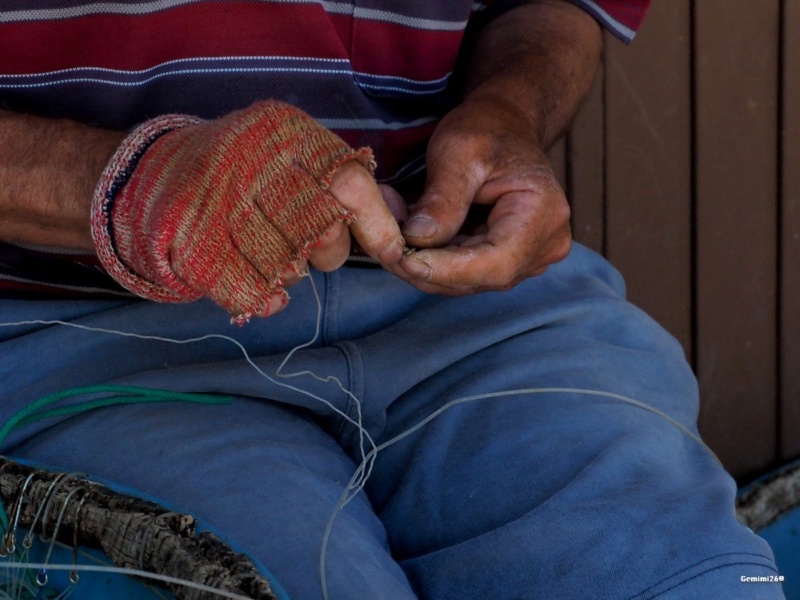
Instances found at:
x=416 y=267
x=421 y=226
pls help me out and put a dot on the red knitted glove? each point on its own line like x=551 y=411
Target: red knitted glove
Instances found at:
x=188 y=209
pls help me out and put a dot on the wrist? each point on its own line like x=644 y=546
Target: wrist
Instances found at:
x=508 y=112
x=115 y=254
x=542 y=57
x=48 y=170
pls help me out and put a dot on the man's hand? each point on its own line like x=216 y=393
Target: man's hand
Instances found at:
x=230 y=209
x=374 y=225
x=49 y=169
x=485 y=152
x=526 y=75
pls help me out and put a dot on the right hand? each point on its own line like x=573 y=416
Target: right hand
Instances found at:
x=230 y=209
x=377 y=209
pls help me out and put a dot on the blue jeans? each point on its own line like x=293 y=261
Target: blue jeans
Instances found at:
x=551 y=495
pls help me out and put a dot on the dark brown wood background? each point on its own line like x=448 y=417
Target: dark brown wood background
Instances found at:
x=683 y=168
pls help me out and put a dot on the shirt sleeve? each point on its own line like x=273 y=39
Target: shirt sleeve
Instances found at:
x=621 y=17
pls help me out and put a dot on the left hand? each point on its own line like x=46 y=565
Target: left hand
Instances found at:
x=485 y=151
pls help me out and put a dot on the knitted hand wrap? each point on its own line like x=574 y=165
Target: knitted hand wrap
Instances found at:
x=188 y=209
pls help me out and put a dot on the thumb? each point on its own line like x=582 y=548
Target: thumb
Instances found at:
x=374 y=227
x=449 y=192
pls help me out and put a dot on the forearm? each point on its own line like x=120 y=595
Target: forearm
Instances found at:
x=539 y=58
x=48 y=171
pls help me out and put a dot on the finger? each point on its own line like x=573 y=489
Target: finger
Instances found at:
x=424 y=285
x=292 y=274
x=460 y=269
x=454 y=177
x=473 y=240
x=247 y=283
x=257 y=240
x=277 y=302
x=397 y=205
x=274 y=304
x=514 y=247
x=374 y=226
x=332 y=250
x=472 y=267
x=237 y=286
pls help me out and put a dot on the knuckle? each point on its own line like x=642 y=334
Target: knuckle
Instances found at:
x=502 y=275
x=534 y=176
x=329 y=258
x=351 y=180
x=460 y=139
x=500 y=286
x=331 y=236
x=563 y=242
x=562 y=248
x=562 y=210
x=539 y=173
x=392 y=252
x=510 y=285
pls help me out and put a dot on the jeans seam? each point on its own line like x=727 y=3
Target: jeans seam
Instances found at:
x=644 y=593
x=329 y=307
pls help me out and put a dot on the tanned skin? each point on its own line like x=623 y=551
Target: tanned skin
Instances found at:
x=528 y=73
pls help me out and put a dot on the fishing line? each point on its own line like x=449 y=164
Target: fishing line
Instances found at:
x=355 y=485
x=193 y=340
x=27 y=414
x=364 y=469
x=37 y=566
x=362 y=432
x=218 y=336
x=99 y=567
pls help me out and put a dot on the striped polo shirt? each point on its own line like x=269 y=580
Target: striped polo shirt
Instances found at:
x=376 y=72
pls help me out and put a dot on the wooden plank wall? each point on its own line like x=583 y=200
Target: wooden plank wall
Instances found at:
x=789 y=273
x=683 y=168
